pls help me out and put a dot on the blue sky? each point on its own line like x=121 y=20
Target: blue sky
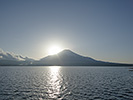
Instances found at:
x=102 y=29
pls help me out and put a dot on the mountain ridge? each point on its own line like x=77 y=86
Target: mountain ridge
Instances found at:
x=64 y=58
x=70 y=58
x=11 y=59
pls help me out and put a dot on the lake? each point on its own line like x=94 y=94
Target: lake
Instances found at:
x=65 y=83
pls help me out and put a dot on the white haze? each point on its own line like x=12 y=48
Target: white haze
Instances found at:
x=11 y=56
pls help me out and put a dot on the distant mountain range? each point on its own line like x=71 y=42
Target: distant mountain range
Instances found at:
x=9 y=59
x=64 y=58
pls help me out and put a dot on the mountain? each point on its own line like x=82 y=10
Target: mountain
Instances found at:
x=69 y=58
x=8 y=58
x=64 y=58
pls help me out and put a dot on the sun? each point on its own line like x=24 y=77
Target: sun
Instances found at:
x=54 y=50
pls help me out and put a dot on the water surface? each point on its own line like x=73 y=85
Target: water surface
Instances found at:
x=65 y=83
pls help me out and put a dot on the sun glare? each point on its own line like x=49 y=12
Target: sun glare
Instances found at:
x=54 y=50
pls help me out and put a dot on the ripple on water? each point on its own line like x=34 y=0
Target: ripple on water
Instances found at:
x=65 y=83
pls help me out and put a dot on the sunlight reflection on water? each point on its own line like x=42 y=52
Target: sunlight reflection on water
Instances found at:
x=54 y=82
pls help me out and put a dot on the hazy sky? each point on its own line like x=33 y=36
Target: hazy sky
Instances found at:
x=102 y=29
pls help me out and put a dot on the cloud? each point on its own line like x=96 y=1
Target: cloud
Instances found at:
x=1 y=57
x=11 y=56
x=2 y=52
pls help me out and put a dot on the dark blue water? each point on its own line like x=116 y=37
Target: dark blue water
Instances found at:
x=65 y=83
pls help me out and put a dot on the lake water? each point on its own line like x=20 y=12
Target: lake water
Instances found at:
x=65 y=83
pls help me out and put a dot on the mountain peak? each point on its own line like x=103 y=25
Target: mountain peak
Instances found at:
x=66 y=51
x=66 y=57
